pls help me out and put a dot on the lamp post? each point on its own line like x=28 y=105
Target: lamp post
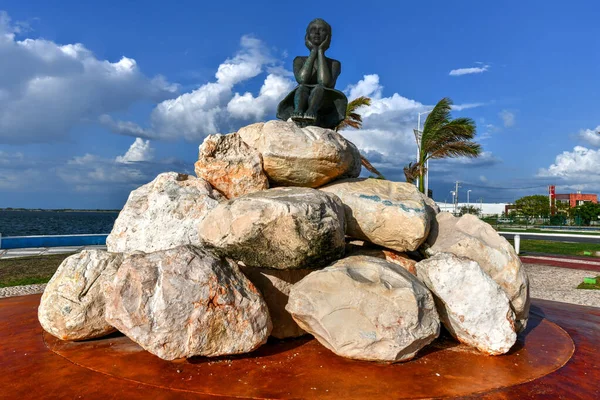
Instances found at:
x=453 y=194
x=418 y=137
x=468 y=202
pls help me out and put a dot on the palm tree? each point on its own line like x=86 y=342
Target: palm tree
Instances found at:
x=411 y=172
x=444 y=137
x=354 y=120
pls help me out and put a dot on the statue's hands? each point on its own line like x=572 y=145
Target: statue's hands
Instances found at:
x=325 y=44
x=309 y=44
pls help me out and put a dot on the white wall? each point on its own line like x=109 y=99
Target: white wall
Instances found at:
x=486 y=208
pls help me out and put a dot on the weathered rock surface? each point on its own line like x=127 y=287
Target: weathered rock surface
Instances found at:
x=309 y=157
x=470 y=237
x=473 y=307
x=231 y=166
x=163 y=214
x=282 y=228
x=186 y=302
x=431 y=206
x=386 y=213
x=366 y=308
x=359 y=248
x=73 y=303
x=275 y=287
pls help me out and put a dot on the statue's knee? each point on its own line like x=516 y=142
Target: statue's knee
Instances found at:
x=303 y=89
x=319 y=88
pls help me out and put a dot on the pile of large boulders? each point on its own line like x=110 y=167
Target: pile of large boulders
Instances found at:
x=277 y=236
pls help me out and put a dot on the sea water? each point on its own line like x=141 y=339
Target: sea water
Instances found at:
x=25 y=223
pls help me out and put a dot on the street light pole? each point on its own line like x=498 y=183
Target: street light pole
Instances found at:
x=418 y=137
x=453 y=194
x=468 y=201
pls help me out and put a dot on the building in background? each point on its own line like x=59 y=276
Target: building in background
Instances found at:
x=576 y=199
x=485 y=209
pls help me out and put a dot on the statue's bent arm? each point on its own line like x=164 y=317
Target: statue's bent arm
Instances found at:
x=303 y=70
x=323 y=72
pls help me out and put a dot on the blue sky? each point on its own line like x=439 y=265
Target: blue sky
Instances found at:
x=96 y=100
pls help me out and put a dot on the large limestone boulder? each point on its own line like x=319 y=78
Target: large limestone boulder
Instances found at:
x=186 y=302
x=431 y=206
x=310 y=157
x=470 y=237
x=386 y=213
x=471 y=305
x=231 y=166
x=360 y=248
x=73 y=303
x=282 y=228
x=275 y=286
x=366 y=308
x=163 y=214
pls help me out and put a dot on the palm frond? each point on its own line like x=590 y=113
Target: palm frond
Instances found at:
x=412 y=172
x=457 y=149
x=439 y=116
x=370 y=167
x=353 y=119
x=356 y=103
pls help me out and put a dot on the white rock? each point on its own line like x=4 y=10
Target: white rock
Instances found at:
x=73 y=304
x=231 y=166
x=470 y=237
x=473 y=307
x=386 y=213
x=282 y=228
x=275 y=287
x=366 y=308
x=309 y=157
x=163 y=214
x=359 y=248
x=186 y=302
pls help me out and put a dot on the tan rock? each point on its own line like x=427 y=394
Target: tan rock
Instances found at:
x=309 y=157
x=470 y=237
x=366 y=308
x=163 y=214
x=73 y=304
x=231 y=166
x=399 y=258
x=186 y=302
x=473 y=307
x=282 y=228
x=386 y=213
x=275 y=287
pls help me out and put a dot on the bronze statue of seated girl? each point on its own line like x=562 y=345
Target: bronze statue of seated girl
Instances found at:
x=315 y=101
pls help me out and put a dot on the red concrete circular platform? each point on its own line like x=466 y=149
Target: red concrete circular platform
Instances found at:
x=36 y=365
x=302 y=367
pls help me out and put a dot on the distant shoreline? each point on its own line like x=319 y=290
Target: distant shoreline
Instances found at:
x=58 y=210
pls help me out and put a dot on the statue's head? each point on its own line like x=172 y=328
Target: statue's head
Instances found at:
x=317 y=31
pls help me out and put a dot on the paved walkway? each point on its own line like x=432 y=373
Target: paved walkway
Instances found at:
x=560 y=284
x=590 y=264
x=44 y=251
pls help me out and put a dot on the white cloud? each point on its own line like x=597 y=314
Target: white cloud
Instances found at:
x=46 y=88
x=387 y=137
x=580 y=164
x=368 y=86
x=139 y=150
x=92 y=173
x=466 y=106
x=508 y=118
x=468 y=71
x=591 y=136
x=214 y=107
x=247 y=106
